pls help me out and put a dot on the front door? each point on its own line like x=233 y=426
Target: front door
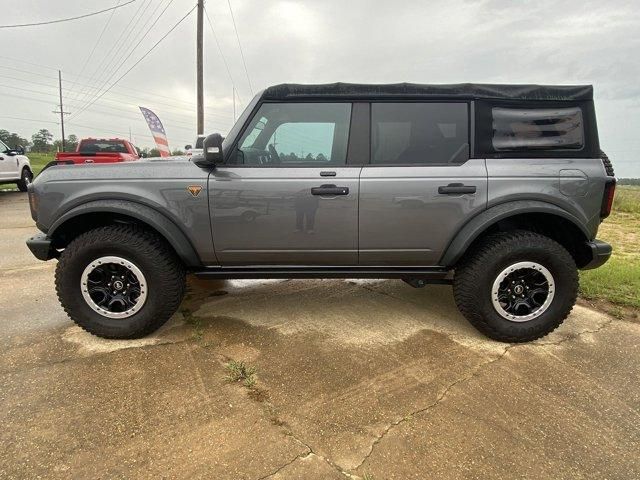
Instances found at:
x=286 y=195
x=421 y=186
x=8 y=168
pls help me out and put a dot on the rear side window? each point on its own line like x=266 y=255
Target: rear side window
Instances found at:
x=521 y=129
x=419 y=133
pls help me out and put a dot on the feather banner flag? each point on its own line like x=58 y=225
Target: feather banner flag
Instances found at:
x=157 y=130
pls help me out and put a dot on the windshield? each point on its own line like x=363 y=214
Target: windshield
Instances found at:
x=102 y=146
x=226 y=143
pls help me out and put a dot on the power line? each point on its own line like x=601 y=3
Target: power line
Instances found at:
x=233 y=20
x=119 y=87
x=168 y=109
x=66 y=19
x=131 y=52
x=224 y=59
x=140 y=59
x=104 y=29
x=110 y=55
x=82 y=127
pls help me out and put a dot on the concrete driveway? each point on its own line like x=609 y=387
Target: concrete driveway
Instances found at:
x=360 y=379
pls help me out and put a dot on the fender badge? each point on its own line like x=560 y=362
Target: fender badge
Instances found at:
x=194 y=189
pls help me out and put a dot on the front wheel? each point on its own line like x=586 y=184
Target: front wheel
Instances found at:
x=119 y=281
x=26 y=177
x=516 y=286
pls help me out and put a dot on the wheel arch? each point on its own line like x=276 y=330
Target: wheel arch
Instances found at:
x=99 y=213
x=541 y=217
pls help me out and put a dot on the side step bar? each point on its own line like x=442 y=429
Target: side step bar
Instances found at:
x=429 y=275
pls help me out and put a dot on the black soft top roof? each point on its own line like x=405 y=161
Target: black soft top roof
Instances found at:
x=458 y=91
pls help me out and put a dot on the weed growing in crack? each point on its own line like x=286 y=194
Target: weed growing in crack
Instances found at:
x=241 y=372
x=367 y=476
x=195 y=322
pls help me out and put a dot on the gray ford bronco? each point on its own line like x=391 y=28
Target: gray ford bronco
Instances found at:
x=496 y=189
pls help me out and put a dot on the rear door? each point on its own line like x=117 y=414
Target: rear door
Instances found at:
x=421 y=186
x=287 y=196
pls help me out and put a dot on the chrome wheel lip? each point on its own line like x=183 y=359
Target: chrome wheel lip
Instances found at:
x=132 y=268
x=511 y=269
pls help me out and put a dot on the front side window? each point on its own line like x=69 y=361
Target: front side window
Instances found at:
x=522 y=129
x=419 y=133
x=296 y=134
x=3 y=147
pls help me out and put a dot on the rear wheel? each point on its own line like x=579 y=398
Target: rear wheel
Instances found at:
x=26 y=177
x=119 y=281
x=516 y=286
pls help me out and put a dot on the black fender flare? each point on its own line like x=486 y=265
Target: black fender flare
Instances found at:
x=478 y=224
x=143 y=213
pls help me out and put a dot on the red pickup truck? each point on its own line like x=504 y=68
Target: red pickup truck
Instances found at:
x=99 y=150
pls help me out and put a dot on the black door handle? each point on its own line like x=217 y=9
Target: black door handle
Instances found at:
x=456 y=189
x=329 y=190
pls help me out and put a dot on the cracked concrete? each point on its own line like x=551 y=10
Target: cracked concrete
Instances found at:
x=355 y=379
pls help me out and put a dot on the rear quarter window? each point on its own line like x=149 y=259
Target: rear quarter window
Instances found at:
x=526 y=129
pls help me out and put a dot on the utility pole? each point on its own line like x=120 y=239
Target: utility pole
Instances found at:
x=61 y=112
x=234 y=104
x=200 y=99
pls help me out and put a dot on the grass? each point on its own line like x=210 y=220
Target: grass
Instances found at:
x=618 y=280
x=241 y=372
x=38 y=161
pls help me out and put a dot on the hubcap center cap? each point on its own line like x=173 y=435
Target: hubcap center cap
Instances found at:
x=118 y=285
x=518 y=289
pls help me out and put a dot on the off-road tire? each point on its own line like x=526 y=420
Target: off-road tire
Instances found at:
x=164 y=272
x=477 y=271
x=26 y=177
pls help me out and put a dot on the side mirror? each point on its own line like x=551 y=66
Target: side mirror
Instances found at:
x=188 y=147
x=212 y=151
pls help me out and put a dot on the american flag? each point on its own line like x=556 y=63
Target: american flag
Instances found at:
x=157 y=130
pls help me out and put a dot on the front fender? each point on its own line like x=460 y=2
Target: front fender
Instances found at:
x=478 y=224
x=143 y=213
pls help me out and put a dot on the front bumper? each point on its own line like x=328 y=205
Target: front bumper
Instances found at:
x=40 y=246
x=600 y=253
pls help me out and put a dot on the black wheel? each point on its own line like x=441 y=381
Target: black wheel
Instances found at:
x=516 y=286
x=25 y=179
x=119 y=281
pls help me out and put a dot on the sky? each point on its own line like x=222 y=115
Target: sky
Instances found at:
x=314 y=41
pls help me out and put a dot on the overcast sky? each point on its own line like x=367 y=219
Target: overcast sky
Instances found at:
x=449 y=41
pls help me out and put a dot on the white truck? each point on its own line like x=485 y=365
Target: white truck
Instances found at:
x=15 y=167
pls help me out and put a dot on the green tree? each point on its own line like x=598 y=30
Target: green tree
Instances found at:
x=154 y=152
x=177 y=152
x=13 y=140
x=70 y=144
x=42 y=140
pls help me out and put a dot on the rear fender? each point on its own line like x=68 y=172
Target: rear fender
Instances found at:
x=481 y=222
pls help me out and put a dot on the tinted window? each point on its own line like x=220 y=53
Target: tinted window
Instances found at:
x=537 y=128
x=423 y=133
x=3 y=147
x=102 y=146
x=296 y=133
